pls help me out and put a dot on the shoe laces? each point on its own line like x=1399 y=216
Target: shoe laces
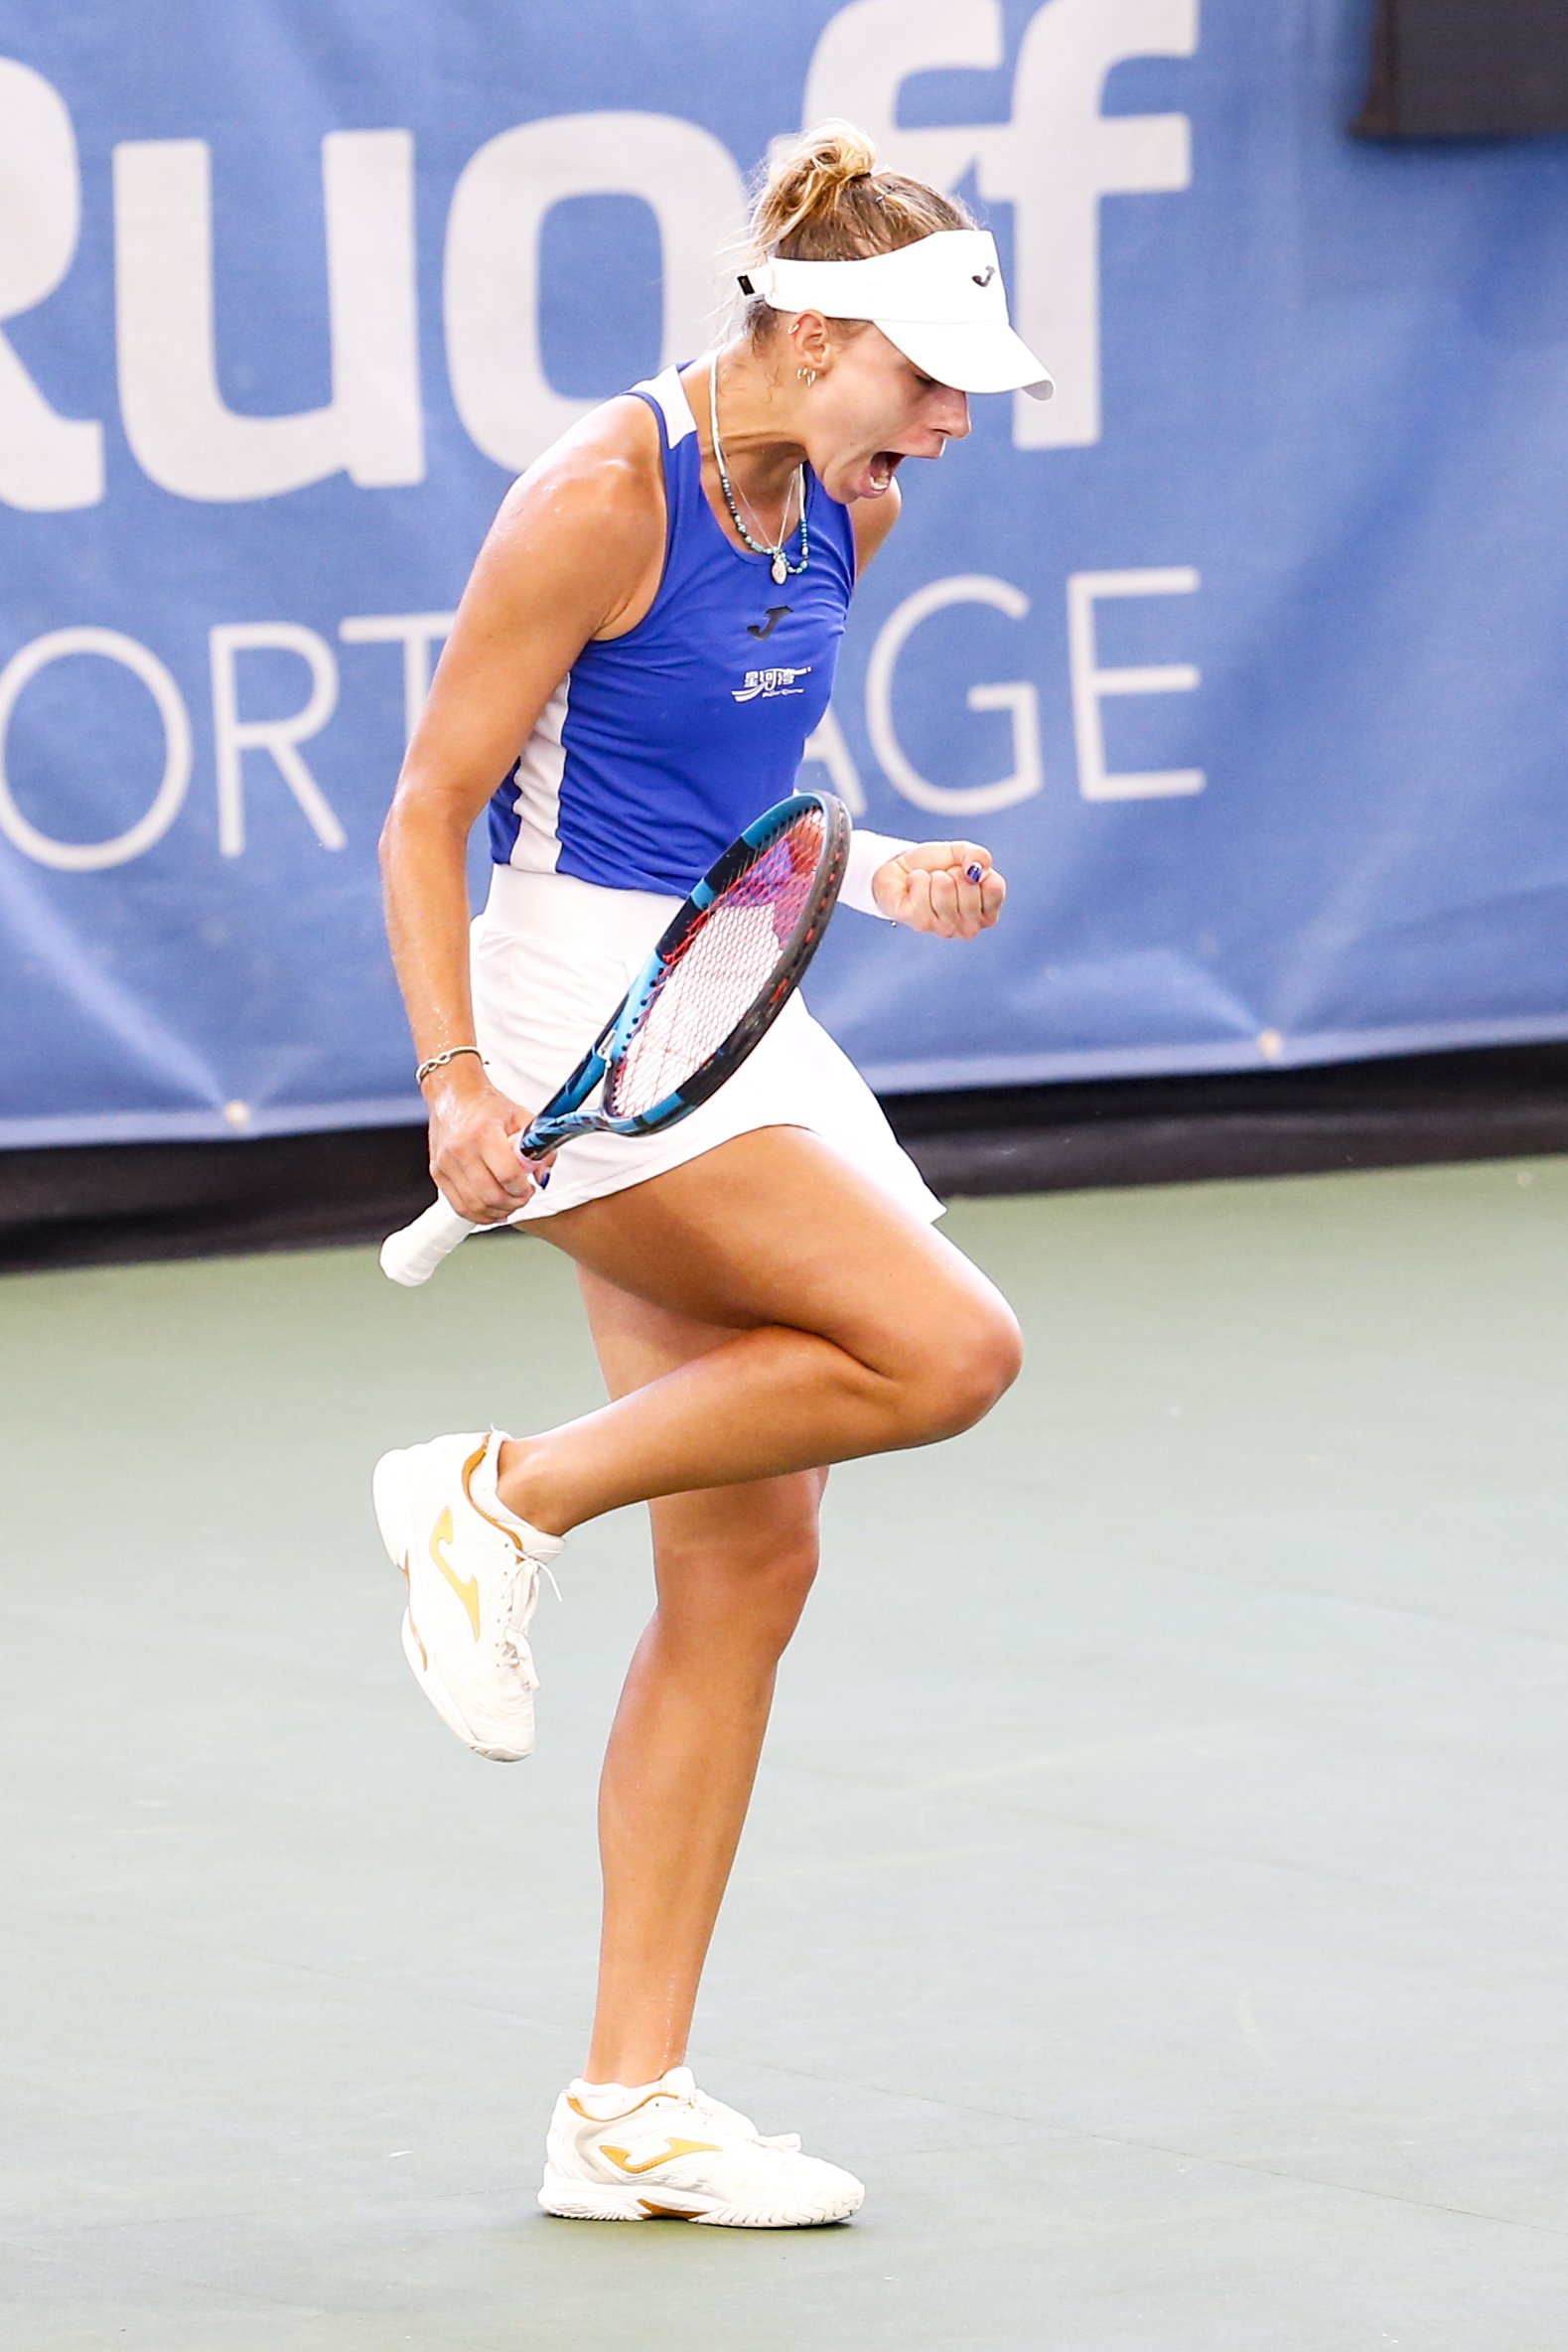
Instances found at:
x=519 y=1597
x=786 y=2143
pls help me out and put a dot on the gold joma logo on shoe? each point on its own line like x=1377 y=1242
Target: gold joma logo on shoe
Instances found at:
x=672 y=2148
x=466 y=1587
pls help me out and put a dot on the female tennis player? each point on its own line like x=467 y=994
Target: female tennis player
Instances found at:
x=646 y=642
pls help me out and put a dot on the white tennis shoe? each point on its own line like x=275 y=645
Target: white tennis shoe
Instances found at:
x=676 y=2154
x=473 y=1572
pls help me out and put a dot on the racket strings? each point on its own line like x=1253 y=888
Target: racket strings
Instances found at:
x=720 y=968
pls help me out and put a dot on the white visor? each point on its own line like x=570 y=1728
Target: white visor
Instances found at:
x=941 y=300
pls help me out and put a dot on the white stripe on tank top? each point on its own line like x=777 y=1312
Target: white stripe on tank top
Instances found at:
x=540 y=767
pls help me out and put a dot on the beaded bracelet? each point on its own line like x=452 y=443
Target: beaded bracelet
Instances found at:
x=437 y=1060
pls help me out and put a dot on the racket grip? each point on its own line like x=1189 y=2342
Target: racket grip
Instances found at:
x=412 y=1254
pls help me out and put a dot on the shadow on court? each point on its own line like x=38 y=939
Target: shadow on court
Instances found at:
x=1154 y=1889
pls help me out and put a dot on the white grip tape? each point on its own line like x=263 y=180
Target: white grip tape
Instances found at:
x=412 y=1254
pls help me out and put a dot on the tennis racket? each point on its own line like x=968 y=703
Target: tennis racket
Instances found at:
x=725 y=967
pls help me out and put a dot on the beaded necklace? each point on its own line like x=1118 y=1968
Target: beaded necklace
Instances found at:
x=782 y=569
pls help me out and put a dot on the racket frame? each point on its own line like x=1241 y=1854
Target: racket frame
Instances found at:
x=562 y=1117
x=411 y=1255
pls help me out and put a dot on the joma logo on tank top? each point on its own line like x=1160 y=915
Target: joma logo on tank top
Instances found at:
x=769 y=620
x=768 y=683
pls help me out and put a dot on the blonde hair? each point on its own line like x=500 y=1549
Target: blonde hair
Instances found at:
x=824 y=200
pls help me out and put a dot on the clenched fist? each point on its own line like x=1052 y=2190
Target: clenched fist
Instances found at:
x=949 y=888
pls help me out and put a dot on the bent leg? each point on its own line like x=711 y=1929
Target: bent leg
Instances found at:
x=733 y=1566
x=855 y=1330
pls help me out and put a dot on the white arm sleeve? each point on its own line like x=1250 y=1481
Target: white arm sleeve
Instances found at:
x=867 y=851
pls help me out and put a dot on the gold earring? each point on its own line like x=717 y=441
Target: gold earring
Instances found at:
x=806 y=375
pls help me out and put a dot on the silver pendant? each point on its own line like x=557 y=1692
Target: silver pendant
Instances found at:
x=781 y=568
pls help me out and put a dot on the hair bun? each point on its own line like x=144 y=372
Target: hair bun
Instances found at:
x=804 y=182
x=824 y=198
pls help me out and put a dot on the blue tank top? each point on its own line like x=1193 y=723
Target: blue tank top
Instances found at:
x=658 y=746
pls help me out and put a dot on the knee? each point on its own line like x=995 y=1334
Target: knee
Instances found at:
x=744 y=1595
x=770 y=1577
x=968 y=1361
x=776 y=1590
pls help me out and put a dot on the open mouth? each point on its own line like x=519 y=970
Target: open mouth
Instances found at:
x=884 y=466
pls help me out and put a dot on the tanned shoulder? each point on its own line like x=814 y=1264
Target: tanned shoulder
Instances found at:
x=591 y=508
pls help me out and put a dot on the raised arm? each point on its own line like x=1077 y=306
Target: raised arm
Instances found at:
x=949 y=888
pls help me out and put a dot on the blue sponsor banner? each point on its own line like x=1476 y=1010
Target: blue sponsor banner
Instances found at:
x=1245 y=656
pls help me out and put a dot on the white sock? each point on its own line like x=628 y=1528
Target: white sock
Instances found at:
x=483 y=1484
x=605 y=2101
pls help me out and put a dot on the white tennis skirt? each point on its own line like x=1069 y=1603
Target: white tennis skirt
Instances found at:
x=552 y=957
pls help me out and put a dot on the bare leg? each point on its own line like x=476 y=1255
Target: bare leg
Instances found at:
x=734 y=1565
x=855 y=1329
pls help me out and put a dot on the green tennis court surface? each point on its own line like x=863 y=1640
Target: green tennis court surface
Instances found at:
x=1154 y=1888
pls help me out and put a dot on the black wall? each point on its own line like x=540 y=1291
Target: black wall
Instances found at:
x=1466 y=69
x=128 y=1201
